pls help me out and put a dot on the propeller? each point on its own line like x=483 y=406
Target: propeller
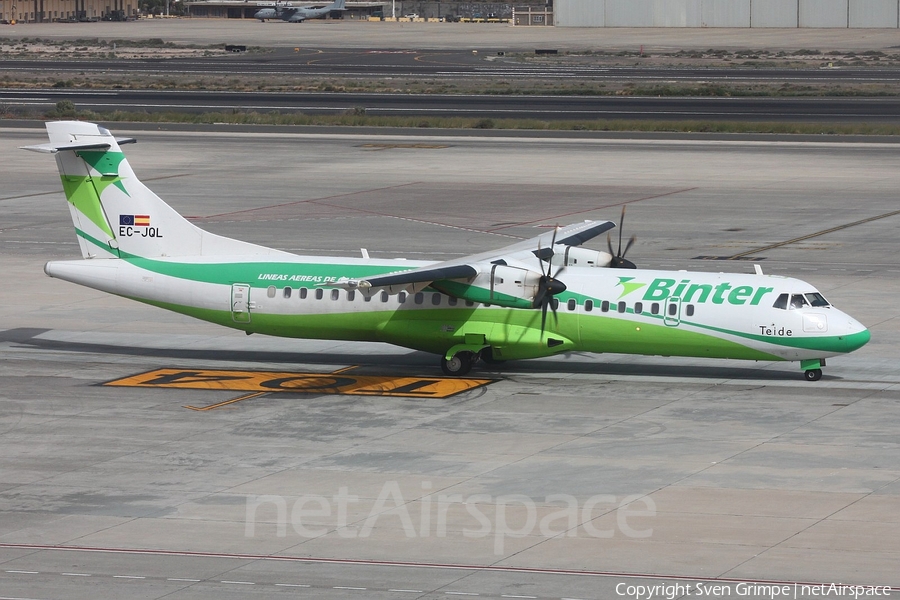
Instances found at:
x=618 y=258
x=548 y=286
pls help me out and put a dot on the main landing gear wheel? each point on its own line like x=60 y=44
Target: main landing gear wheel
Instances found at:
x=813 y=374
x=460 y=364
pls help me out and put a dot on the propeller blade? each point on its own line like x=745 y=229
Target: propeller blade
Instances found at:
x=543 y=316
x=539 y=297
x=540 y=255
x=629 y=245
x=618 y=258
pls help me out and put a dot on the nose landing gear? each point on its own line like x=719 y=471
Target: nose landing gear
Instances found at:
x=812 y=369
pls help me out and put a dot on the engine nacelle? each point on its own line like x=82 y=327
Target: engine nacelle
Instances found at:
x=503 y=285
x=572 y=256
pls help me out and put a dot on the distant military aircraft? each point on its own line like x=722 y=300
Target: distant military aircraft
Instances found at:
x=490 y=306
x=297 y=14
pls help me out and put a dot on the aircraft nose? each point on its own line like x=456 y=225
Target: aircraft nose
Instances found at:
x=854 y=336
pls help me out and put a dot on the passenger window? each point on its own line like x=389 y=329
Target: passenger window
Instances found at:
x=436 y=299
x=303 y=293
x=673 y=310
x=320 y=293
x=689 y=310
x=469 y=303
x=401 y=297
x=335 y=294
x=351 y=295
x=816 y=300
x=781 y=302
x=367 y=298
x=571 y=304
x=638 y=308
x=621 y=306
x=385 y=296
x=555 y=303
x=588 y=305
x=287 y=292
x=604 y=306
x=271 y=291
x=452 y=301
x=798 y=301
x=654 y=308
x=420 y=298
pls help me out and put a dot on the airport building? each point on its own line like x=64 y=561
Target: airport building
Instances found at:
x=727 y=13
x=43 y=11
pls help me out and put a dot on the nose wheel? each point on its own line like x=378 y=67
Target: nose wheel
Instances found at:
x=813 y=374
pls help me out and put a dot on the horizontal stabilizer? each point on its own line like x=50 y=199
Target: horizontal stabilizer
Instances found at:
x=54 y=148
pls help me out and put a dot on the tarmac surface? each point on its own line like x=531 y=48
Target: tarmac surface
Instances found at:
x=571 y=477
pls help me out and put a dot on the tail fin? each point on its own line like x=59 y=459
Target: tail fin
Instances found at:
x=115 y=215
x=338 y=4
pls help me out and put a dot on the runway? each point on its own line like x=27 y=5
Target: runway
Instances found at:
x=561 y=478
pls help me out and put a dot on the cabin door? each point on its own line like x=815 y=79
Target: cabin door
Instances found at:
x=240 y=303
x=672 y=314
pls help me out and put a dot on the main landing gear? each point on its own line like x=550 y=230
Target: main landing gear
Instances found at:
x=460 y=364
x=813 y=374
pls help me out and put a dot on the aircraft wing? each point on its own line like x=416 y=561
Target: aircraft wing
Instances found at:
x=469 y=267
x=570 y=235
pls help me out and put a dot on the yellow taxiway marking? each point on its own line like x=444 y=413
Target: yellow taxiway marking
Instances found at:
x=227 y=402
x=263 y=382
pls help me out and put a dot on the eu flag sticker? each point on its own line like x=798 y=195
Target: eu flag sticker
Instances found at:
x=135 y=220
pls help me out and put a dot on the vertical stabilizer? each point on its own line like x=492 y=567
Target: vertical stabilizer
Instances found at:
x=115 y=215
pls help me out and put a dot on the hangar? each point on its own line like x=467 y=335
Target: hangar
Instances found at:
x=728 y=13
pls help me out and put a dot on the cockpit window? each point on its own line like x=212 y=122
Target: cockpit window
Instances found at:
x=816 y=299
x=781 y=302
x=798 y=301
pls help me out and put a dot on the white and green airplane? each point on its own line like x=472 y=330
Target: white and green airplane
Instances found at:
x=490 y=306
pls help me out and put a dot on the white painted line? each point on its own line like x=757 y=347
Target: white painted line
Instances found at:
x=239 y=582
x=128 y=577
x=76 y=574
x=179 y=579
x=344 y=587
x=291 y=584
x=462 y=594
x=24 y=572
x=512 y=596
x=408 y=591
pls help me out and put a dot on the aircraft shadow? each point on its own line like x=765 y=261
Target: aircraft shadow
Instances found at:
x=409 y=362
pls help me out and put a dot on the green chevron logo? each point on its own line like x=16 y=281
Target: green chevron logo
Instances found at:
x=627 y=287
